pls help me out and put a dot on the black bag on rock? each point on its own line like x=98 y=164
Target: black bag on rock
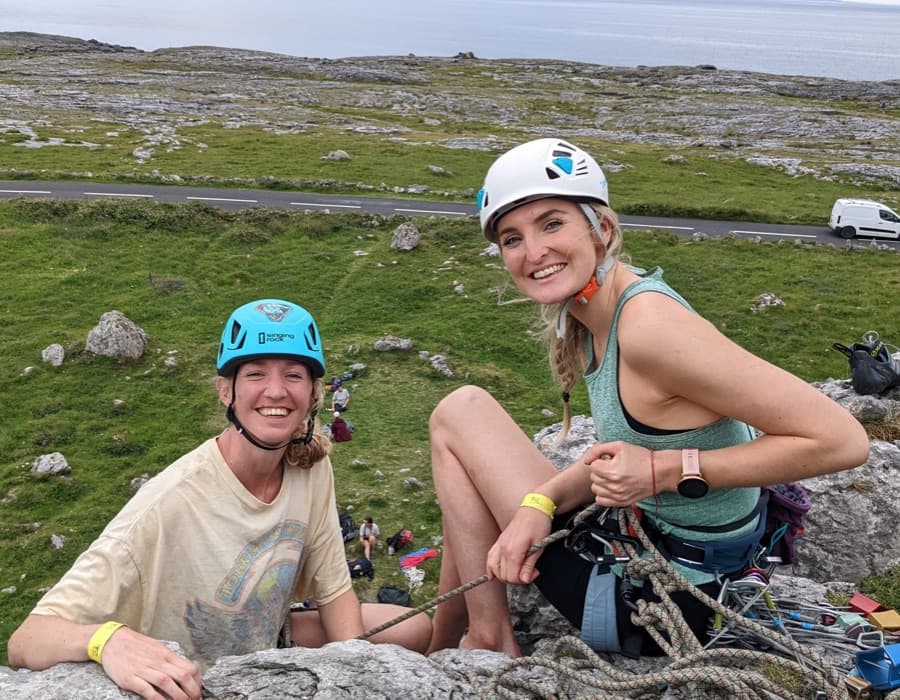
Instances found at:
x=872 y=369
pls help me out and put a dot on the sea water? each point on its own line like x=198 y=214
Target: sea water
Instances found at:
x=856 y=40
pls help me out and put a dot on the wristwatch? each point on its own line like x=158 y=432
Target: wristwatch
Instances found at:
x=692 y=484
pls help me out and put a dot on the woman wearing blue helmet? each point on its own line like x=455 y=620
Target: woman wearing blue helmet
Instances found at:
x=212 y=551
x=672 y=399
x=265 y=330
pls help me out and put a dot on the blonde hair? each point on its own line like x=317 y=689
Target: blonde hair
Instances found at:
x=303 y=455
x=566 y=354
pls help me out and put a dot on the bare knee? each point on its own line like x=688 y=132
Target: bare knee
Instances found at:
x=457 y=406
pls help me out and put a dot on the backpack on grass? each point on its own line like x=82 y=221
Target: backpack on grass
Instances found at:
x=361 y=567
x=393 y=595
x=399 y=540
x=872 y=369
x=348 y=526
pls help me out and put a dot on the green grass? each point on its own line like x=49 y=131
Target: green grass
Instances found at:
x=178 y=270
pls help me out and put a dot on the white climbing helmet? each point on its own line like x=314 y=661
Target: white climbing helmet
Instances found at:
x=536 y=170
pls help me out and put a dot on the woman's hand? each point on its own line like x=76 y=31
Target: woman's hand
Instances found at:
x=147 y=667
x=506 y=560
x=621 y=473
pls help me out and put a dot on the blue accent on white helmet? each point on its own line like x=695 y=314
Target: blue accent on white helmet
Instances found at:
x=270 y=328
x=537 y=170
x=564 y=164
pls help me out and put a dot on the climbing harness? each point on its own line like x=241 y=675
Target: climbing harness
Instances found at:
x=706 y=672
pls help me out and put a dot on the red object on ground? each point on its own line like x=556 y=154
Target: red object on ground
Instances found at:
x=864 y=604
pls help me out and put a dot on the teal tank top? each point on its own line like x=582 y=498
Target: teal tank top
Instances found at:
x=719 y=506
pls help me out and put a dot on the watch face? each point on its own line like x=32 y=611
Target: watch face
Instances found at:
x=693 y=487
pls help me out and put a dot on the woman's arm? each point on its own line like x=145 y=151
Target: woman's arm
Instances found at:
x=342 y=617
x=132 y=660
x=694 y=375
x=42 y=641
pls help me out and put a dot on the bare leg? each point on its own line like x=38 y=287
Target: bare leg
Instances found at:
x=482 y=464
x=451 y=617
x=414 y=634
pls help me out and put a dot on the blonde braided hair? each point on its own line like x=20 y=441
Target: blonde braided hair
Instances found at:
x=566 y=354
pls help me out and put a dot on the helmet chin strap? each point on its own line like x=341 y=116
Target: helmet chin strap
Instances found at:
x=594 y=283
x=232 y=417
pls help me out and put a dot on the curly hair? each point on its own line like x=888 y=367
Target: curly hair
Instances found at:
x=305 y=455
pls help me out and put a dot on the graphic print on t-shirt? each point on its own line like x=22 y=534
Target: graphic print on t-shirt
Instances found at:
x=246 y=614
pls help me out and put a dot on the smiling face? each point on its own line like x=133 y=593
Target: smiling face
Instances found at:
x=272 y=398
x=548 y=248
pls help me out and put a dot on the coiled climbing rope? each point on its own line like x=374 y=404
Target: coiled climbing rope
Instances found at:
x=797 y=672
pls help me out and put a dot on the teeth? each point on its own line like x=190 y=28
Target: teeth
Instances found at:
x=273 y=411
x=546 y=272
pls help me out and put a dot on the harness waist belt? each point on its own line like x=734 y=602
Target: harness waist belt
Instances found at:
x=713 y=556
x=761 y=503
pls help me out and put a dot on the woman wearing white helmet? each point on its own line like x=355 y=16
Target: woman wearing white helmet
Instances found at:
x=674 y=424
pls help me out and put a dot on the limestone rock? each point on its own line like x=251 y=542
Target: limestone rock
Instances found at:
x=53 y=463
x=390 y=342
x=53 y=354
x=406 y=237
x=116 y=336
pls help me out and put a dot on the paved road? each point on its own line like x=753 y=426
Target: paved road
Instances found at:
x=237 y=198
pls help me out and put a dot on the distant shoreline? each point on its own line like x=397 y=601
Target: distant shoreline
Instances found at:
x=37 y=42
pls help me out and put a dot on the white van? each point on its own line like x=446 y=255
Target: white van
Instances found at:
x=863 y=217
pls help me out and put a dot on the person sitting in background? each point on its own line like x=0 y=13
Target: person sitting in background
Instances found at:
x=340 y=398
x=369 y=533
x=211 y=552
x=340 y=430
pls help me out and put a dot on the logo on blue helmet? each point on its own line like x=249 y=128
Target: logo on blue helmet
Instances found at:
x=275 y=312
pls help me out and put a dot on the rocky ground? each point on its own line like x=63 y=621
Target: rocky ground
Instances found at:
x=805 y=125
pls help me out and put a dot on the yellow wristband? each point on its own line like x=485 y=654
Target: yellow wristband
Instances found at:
x=540 y=502
x=100 y=638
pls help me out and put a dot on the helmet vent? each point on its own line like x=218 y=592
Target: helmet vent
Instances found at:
x=551 y=174
x=312 y=337
x=235 y=332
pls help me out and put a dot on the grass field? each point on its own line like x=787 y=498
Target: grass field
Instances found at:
x=178 y=270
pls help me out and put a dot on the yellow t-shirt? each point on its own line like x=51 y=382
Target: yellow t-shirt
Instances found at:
x=195 y=558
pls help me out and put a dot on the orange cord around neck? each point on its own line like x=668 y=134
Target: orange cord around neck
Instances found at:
x=588 y=291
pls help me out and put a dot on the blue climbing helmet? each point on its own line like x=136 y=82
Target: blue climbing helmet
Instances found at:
x=270 y=328
x=536 y=170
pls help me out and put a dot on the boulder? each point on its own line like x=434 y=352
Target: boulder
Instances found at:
x=354 y=668
x=116 y=336
x=52 y=463
x=53 y=354
x=406 y=237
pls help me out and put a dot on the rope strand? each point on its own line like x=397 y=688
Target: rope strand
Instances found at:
x=474 y=583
